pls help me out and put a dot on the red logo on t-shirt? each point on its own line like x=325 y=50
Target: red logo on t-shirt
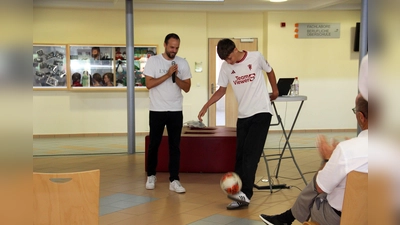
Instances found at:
x=233 y=72
x=250 y=66
x=244 y=79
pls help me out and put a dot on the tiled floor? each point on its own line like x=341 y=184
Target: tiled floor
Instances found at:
x=84 y=145
x=124 y=199
x=118 y=144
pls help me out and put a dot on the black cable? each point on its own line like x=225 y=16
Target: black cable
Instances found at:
x=276 y=191
x=272 y=183
x=295 y=187
x=299 y=177
x=290 y=178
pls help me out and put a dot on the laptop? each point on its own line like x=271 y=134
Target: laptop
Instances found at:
x=284 y=85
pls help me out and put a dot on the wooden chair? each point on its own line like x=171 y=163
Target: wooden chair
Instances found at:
x=355 y=202
x=66 y=198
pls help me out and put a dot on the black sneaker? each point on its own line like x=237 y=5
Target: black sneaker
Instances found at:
x=273 y=220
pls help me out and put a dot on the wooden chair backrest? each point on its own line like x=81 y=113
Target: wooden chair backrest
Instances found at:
x=66 y=198
x=355 y=203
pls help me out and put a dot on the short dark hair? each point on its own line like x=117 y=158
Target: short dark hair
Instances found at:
x=169 y=36
x=225 y=47
x=97 y=77
x=362 y=106
x=76 y=77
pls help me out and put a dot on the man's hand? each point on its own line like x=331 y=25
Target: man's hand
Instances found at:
x=325 y=149
x=202 y=113
x=214 y=98
x=273 y=95
x=173 y=69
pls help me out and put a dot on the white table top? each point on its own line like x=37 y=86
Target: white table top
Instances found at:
x=288 y=98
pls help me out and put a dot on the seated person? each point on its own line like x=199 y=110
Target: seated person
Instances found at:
x=97 y=80
x=322 y=198
x=108 y=79
x=76 y=80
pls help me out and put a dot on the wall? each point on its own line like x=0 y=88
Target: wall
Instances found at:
x=65 y=112
x=327 y=68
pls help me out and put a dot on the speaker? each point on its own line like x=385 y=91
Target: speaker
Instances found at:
x=356 y=46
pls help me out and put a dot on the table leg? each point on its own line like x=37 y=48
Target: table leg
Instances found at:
x=287 y=137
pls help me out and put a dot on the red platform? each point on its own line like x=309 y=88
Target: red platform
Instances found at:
x=203 y=150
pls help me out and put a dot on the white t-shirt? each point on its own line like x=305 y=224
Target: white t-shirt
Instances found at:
x=167 y=96
x=247 y=80
x=348 y=156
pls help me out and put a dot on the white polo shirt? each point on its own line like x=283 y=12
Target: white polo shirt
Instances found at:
x=248 y=83
x=167 y=96
x=348 y=156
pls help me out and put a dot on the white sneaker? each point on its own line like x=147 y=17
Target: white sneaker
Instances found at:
x=176 y=186
x=240 y=197
x=151 y=182
x=236 y=205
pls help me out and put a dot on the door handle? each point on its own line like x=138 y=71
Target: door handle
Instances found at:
x=212 y=88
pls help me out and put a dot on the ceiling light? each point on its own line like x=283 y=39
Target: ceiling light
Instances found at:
x=277 y=0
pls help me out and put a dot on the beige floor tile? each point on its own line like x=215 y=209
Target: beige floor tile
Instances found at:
x=114 y=217
x=178 y=220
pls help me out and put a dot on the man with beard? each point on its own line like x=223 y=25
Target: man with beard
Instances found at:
x=96 y=53
x=166 y=75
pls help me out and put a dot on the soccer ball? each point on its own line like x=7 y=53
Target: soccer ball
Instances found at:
x=231 y=183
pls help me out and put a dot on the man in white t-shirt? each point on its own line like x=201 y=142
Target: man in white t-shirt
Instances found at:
x=166 y=75
x=244 y=71
x=322 y=198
